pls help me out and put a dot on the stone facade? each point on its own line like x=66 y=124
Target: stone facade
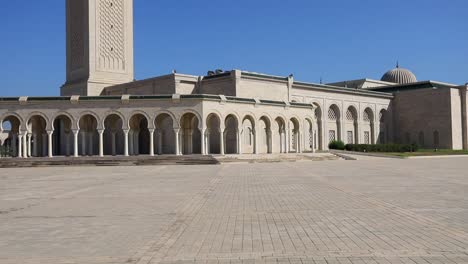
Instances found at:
x=103 y=111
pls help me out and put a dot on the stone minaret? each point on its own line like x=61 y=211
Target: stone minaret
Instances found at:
x=99 y=45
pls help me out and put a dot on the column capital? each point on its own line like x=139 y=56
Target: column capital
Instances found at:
x=151 y=130
x=100 y=131
x=75 y=131
x=50 y=132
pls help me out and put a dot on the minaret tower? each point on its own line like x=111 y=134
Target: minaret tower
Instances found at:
x=99 y=45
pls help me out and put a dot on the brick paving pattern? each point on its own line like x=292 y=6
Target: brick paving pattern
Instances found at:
x=367 y=211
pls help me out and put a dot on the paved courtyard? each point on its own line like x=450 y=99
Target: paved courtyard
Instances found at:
x=365 y=211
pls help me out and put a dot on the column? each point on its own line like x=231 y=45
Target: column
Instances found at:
x=203 y=141
x=255 y=141
x=299 y=142
x=221 y=142
x=20 y=145
x=270 y=142
x=126 y=143
x=151 y=146
x=208 y=145
x=177 y=141
x=238 y=141
x=67 y=146
x=25 y=147
x=29 y=144
x=49 y=145
x=281 y=148
x=287 y=140
x=101 y=142
x=75 y=142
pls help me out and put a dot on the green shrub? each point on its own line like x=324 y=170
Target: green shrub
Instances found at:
x=337 y=144
x=5 y=151
x=382 y=147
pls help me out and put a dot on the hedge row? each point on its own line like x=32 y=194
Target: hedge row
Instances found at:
x=382 y=147
x=339 y=145
x=5 y=151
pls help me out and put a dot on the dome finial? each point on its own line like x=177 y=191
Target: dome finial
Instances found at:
x=397 y=64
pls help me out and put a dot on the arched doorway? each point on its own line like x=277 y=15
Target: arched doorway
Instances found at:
x=231 y=134
x=11 y=143
x=138 y=136
x=308 y=136
x=114 y=136
x=165 y=143
x=62 y=136
x=333 y=123
x=294 y=136
x=88 y=141
x=278 y=136
x=37 y=141
x=213 y=133
x=368 y=126
x=351 y=126
x=190 y=134
x=248 y=135
x=264 y=135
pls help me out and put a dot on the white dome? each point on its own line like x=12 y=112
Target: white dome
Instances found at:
x=399 y=75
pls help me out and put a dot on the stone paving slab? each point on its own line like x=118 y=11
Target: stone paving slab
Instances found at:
x=365 y=211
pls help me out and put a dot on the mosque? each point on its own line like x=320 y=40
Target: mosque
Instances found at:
x=104 y=111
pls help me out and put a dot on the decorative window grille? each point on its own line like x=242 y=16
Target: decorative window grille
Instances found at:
x=350 y=138
x=332 y=135
x=366 y=116
x=366 y=137
x=332 y=114
x=349 y=115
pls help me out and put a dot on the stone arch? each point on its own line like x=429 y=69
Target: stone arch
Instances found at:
x=37 y=138
x=88 y=140
x=116 y=113
x=351 y=120
x=114 y=136
x=48 y=126
x=263 y=132
x=368 y=126
x=334 y=122
x=214 y=132
x=190 y=135
x=168 y=113
x=165 y=123
x=67 y=114
x=309 y=144
x=90 y=113
x=294 y=128
x=231 y=133
x=143 y=113
x=190 y=111
x=12 y=141
x=279 y=135
x=62 y=136
x=138 y=134
x=248 y=134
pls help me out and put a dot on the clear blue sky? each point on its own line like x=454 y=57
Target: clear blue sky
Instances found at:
x=338 y=40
